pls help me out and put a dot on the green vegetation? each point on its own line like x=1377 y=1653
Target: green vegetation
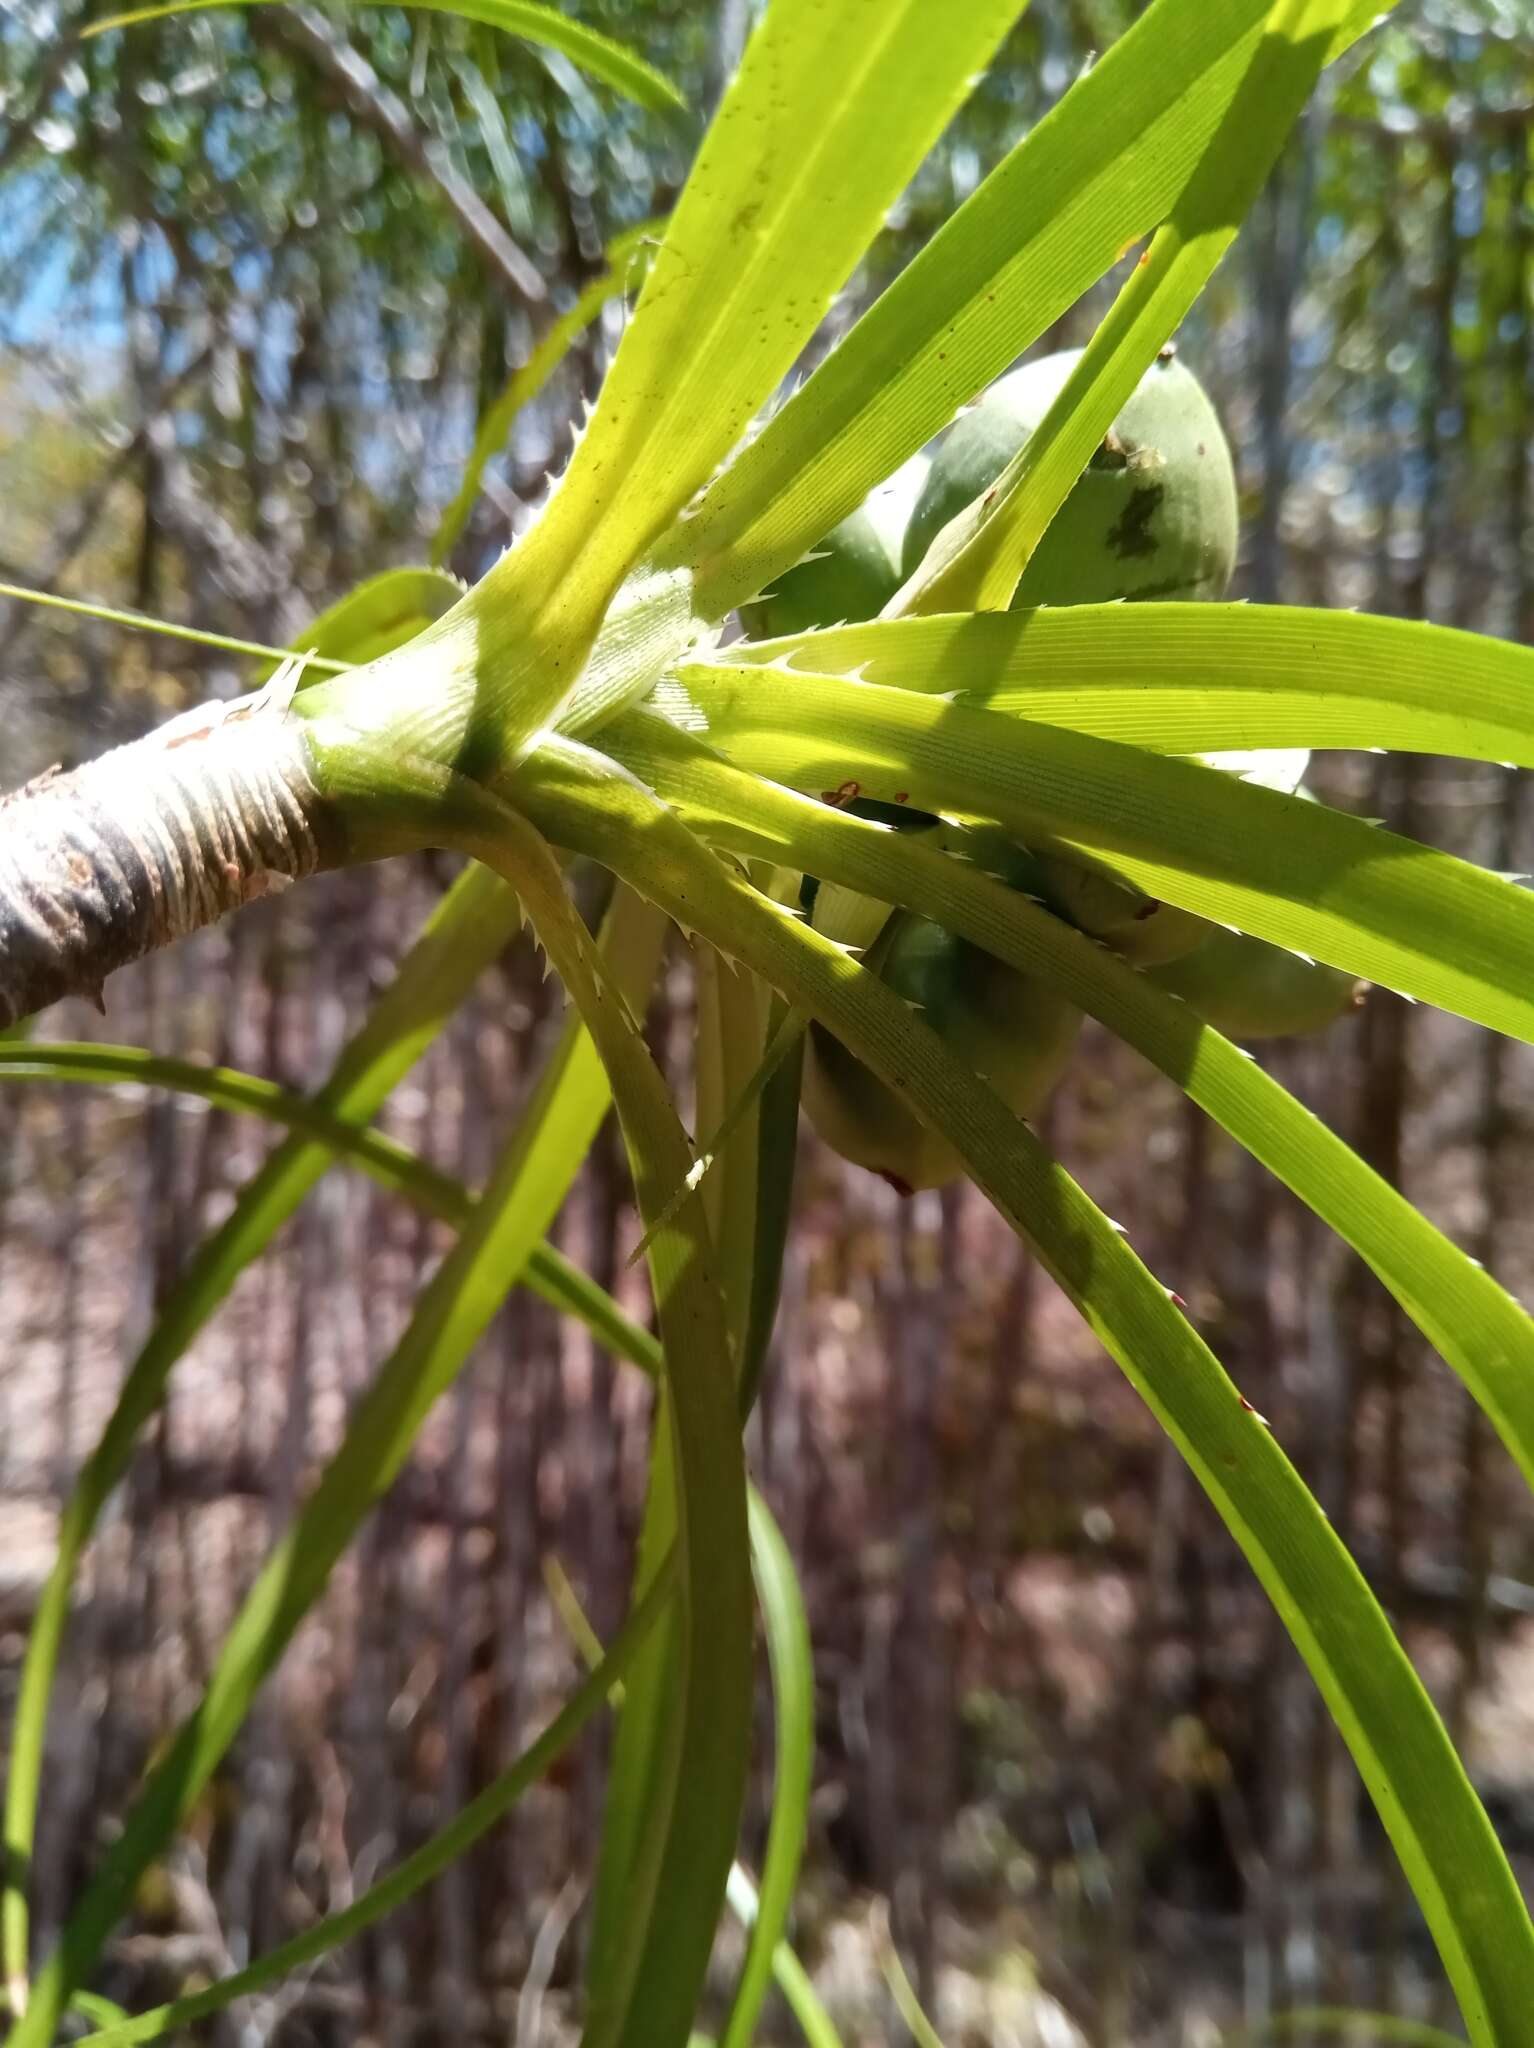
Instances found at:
x=1014 y=1031
x=586 y=698
x=1153 y=514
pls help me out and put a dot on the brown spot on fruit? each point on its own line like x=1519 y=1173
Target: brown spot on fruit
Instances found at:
x=1130 y=536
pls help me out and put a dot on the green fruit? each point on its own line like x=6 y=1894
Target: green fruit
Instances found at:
x=1011 y=1029
x=1098 y=902
x=850 y=575
x=1153 y=515
x=1249 y=989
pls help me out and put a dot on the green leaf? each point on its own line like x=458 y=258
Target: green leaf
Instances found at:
x=1409 y=1766
x=786 y=1627
x=380 y=614
x=976 y=563
x=627 y=261
x=391 y=1164
x=528 y=1184
x=643 y=1783
x=731 y=1015
x=902 y=1990
x=1193 y=678
x=676 y=1882
x=789 y=187
x=792 y=1979
x=586 y=47
x=140 y=622
x=548 y=1273
x=473 y=924
x=793 y=1711
x=1101 y=170
x=777 y=1145
x=102 y=2011
x=422 y=1865
x=1296 y=873
x=1476 y=1326
x=648 y=1757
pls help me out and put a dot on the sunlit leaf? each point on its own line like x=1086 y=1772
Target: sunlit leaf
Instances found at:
x=1475 y=1324
x=627 y=261
x=140 y=622
x=977 y=562
x=751 y=258
x=1100 y=171
x=1439 y=1829
x=1292 y=872
x=1189 y=678
x=587 y=47
x=548 y=1273
x=473 y=924
x=676 y=1880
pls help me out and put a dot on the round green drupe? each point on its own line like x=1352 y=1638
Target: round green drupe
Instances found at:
x=850 y=575
x=1153 y=515
x=847 y=577
x=1105 y=905
x=1249 y=989
x=1011 y=1029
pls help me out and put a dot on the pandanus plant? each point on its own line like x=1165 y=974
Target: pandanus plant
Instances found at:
x=586 y=700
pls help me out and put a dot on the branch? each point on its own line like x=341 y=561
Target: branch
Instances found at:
x=1442 y=132
x=386 y=114
x=150 y=842
x=73 y=539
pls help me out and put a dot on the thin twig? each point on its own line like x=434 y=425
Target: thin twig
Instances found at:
x=387 y=115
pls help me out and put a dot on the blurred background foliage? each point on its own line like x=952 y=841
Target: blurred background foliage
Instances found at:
x=261 y=274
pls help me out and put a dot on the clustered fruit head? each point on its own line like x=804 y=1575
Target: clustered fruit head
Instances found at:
x=849 y=576
x=1153 y=516
x=1013 y=1030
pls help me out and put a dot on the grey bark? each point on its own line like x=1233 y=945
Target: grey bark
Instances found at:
x=148 y=843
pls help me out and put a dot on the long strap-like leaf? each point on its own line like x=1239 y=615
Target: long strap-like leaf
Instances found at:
x=1474 y=1324
x=423 y=1864
x=975 y=565
x=793 y=1711
x=548 y=1274
x=676 y=1882
x=627 y=261
x=1296 y=873
x=1439 y=1829
x=1195 y=678
x=525 y=1190
x=588 y=47
x=751 y=258
x=473 y=923
x=1097 y=173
